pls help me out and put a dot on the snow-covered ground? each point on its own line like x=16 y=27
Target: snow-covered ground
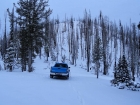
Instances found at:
x=82 y=88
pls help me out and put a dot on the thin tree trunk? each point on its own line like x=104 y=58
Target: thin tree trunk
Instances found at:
x=97 y=65
x=30 y=61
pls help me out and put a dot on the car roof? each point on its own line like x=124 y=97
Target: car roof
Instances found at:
x=60 y=63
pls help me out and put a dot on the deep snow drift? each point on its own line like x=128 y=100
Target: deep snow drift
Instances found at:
x=81 y=88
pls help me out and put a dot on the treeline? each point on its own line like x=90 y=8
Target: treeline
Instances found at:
x=102 y=42
x=28 y=32
x=97 y=41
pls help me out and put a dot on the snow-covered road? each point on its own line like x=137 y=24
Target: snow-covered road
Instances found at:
x=82 y=88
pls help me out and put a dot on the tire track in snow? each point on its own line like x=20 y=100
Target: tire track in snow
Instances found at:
x=79 y=96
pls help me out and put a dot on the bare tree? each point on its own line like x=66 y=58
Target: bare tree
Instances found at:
x=104 y=32
x=88 y=32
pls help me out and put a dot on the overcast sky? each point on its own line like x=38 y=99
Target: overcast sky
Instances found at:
x=116 y=10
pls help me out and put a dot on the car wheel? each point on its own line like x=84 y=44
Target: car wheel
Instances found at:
x=67 y=76
x=51 y=76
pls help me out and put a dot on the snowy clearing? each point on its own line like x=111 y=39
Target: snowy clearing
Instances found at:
x=81 y=88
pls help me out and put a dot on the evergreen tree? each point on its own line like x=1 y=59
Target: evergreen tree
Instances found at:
x=97 y=52
x=32 y=14
x=23 y=47
x=9 y=57
x=122 y=74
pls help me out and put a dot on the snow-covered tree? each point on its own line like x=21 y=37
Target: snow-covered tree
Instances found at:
x=10 y=53
x=88 y=32
x=122 y=74
x=32 y=14
x=4 y=41
x=105 y=34
x=97 y=53
x=9 y=57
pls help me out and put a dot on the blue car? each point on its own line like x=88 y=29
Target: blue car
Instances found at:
x=60 y=69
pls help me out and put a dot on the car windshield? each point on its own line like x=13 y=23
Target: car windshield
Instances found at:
x=61 y=65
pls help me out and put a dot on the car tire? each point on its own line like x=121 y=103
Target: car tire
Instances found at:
x=67 y=76
x=51 y=76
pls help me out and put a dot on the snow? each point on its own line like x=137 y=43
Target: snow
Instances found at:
x=82 y=88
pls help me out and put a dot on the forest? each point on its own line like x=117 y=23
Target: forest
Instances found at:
x=95 y=40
